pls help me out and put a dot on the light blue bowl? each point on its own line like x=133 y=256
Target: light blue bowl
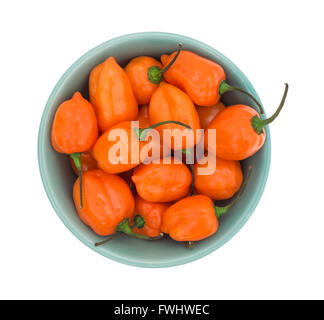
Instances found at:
x=58 y=177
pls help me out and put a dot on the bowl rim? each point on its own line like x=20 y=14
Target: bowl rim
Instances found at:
x=197 y=255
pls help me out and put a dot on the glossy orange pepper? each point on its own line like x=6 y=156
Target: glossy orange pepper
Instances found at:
x=170 y=103
x=196 y=217
x=235 y=137
x=199 y=77
x=152 y=213
x=74 y=127
x=107 y=202
x=103 y=146
x=111 y=94
x=162 y=182
x=88 y=162
x=223 y=183
x=207 y=114
x=74 y=130
x=190 y=219
x=239 y=131
x=202 y=79
x=136 y=71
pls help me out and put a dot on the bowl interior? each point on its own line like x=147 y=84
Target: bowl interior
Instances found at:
x=58 y=177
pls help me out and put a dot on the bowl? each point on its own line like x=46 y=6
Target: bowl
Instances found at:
x=58 y=177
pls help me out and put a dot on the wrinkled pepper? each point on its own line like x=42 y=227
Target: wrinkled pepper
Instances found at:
x=170 y=103
x=74 y=130
x=111 y=94
x=108 y=201
x=202 y=79
x=162 y=182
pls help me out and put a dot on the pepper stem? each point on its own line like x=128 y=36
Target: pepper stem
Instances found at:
x=173 y=60
x=124 y=227
x=222 y=210
x=142 y=132
x=76 y=157
x=225 y=87
x=155 y=73
x=115 y=235
x=258 y=124
x=139 y=222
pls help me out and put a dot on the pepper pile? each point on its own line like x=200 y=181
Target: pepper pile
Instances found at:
x=164 y=196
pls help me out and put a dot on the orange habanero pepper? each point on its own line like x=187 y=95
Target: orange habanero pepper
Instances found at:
x=108 y=204
x=223 y=183
x=202 y=79
x=170 y=103
x=152 y=213
x=136 y=71
x=111 y=94
x=103 y=146
x=196 y=217
x=162 y=182
x=145 y=74
x=107 y=201
x=207 y=114
x=239 y=131
x=190 y=219
x=74 y=130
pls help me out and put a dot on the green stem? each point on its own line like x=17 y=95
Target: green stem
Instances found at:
x=173 y=60
x=258 y=124
x=76 y=157
x=155 y=73
x=138 y=222
x=225 y=87
x=115 y=235
x=222 y=210
x=141 y=132
x=124 y=227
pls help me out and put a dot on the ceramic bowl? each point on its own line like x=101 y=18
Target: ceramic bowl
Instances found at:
x=58 y=177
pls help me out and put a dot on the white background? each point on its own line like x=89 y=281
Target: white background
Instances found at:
x=279 y=252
